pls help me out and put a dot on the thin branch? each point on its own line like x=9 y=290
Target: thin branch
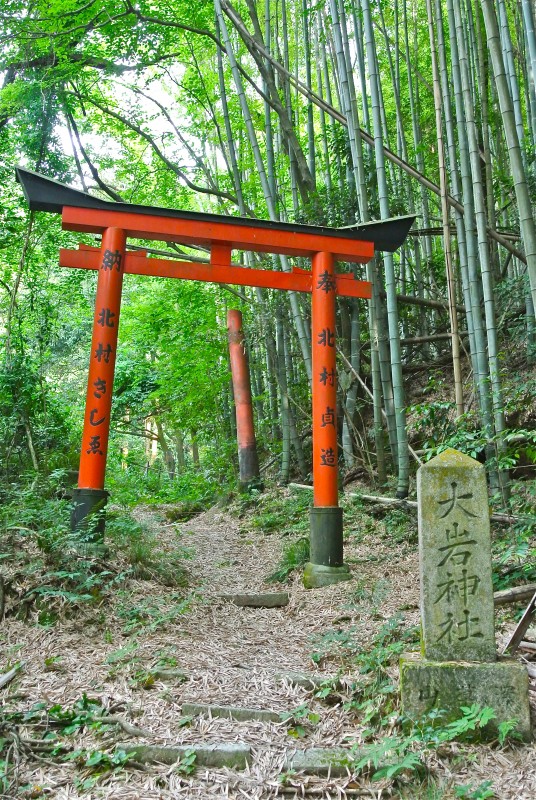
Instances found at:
x=367 y=390
x=92 y=168
x=199 y=161
x=148 y=138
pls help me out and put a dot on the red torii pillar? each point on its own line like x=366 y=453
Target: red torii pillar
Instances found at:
x=90 y=497
x=248 y=460
x=326 y=564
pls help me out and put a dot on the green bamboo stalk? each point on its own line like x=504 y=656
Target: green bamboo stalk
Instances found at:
x=529 y=32
x=481 y=222
x=284 y=474
x=510 y=70
x=390 y=282
x=480 y=366
x=417 y=138
x=268 y=190
x=438 y=103
x=380 y=366
x=486 y=150
x=349 y=109
x=323 y=126
x=455 y=181
x=306 y=18
x=526 y=216
x=329 y=99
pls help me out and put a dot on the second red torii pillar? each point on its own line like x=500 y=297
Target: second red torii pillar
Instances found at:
x=248 y=460
x=326 y=564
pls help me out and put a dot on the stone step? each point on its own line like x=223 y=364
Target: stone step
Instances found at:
x=335 y=761
x=309 y=682
x=176 y=675
x=231 y=712
x=262 y=600
x=302 y=679
x=234 y=755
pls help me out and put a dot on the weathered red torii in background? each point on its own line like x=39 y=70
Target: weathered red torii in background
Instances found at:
x=220 y=234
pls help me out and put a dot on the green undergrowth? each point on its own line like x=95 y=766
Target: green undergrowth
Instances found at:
x=385 y=523
x=434 y=426
x=274 y=511
x=80 y=735
x=138 y=544
x=148 y=615
x=278 y=512
x=286 y=514
x=294 y=556
x=402 y=756
x=53 y=732
x=392 y=747
x=49 y=570
x=191 y=492
x=514 y=546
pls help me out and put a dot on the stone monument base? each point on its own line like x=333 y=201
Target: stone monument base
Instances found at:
x=317 y=575
x=448 y=685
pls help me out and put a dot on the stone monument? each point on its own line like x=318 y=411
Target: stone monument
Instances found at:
x=458 y=664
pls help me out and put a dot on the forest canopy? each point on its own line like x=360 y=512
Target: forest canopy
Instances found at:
x=326 y=113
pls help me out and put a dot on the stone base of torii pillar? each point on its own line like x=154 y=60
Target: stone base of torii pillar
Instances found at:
x=326 y=565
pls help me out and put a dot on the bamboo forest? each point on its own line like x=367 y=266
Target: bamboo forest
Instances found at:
x=268 y=399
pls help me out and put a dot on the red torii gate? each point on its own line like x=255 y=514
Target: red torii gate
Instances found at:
x=221 y=234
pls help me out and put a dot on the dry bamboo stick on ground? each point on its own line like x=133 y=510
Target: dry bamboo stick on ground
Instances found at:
x=303 y=791
x=392 y=501
x=515 y=594
x=522 y=627
x=8 y=676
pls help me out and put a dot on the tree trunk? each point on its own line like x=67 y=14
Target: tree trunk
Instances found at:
x=167 y=454
x=284 y=475
x=438 y=103
x=195 y=450
x=390 y=281
x=179 y=448
x=526 y=217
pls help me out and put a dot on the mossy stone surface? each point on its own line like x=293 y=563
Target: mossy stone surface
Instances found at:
x=335 y=761
x=449 y=685
x=317 y=575
x=231 y=712
x=455 y=559
x=257 y=600
x=165 y=674
x=234 y=755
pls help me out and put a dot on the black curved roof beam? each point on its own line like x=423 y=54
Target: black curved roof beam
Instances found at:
x=45 y=194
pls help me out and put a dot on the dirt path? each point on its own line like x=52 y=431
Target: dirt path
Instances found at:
x=233 y=656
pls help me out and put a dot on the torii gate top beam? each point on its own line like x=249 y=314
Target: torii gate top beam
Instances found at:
x=84 y=213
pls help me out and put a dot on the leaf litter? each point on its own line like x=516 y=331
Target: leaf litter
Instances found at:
x=232 y=656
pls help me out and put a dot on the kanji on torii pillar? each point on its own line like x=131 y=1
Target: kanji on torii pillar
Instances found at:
x=117 y=222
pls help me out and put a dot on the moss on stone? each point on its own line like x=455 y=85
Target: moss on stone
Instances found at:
x=449 y=685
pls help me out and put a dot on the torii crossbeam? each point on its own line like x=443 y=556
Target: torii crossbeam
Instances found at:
x=221 y=235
